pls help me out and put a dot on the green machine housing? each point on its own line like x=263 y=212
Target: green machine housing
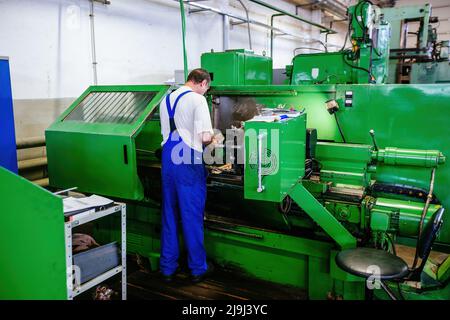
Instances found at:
x=237 y=67
x=94 y=145
x=283 y=215
x=354 y=191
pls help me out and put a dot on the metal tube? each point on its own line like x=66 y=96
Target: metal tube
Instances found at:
x=226 y=32
x=248 y=24
x=243 y=19
x=32 y=163
x=271 y=31
x=323 y=28
x=260 y=186
x=94 y=54
x=422 y=218
x=388 y=291
x=64 y=191
x=183 y=29
x=31 y=142
x=42 y=182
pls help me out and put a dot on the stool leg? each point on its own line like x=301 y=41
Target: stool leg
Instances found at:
x=388 y=291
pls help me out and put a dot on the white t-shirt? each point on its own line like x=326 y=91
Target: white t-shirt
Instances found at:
x=191 y=117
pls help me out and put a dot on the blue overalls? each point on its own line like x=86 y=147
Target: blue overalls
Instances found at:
x=184 y=196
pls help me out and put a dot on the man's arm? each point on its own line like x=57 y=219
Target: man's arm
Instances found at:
x=203 y=122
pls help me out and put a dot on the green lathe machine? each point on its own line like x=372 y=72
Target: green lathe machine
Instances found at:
x=335 y=159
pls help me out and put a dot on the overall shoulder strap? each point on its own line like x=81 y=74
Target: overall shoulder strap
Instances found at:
x=171 y=111
x=178 y=99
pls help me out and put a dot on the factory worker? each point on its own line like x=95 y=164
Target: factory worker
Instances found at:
x=186 y=129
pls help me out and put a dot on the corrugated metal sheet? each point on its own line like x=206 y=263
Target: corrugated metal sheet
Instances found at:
x=111 y=107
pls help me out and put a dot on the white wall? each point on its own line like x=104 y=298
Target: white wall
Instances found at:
x=137 y=41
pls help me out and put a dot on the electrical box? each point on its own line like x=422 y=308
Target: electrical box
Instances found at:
x=274 y=157
x=238 y=67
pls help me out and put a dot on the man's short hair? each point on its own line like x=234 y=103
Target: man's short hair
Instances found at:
x=198 y=75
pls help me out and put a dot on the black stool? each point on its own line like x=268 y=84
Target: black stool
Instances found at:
x=359 y=261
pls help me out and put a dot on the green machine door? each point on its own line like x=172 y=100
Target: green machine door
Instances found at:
x=91 y=145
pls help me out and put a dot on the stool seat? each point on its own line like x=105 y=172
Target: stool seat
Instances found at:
x=361 y=262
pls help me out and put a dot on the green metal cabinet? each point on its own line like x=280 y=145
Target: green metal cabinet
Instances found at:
x=237 y=67
x=279 y=149
x=33 y=256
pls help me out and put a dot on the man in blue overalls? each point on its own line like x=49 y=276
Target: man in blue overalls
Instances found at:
x=186 y=128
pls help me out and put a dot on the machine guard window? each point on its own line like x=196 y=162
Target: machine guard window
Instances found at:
x=111 y=107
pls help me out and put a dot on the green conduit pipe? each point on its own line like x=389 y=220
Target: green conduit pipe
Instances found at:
x=183 y=27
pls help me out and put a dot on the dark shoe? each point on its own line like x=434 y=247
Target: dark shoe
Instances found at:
x=203 y=276
x=167 y=278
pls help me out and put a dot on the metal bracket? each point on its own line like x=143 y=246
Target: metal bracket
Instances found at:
x=322 y=216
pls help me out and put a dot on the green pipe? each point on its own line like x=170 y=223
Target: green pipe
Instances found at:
x=183 y=27
x=323 y=28
x=409 y=157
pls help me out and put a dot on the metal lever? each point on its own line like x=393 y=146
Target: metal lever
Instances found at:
x=260 y=186
x=372 y=134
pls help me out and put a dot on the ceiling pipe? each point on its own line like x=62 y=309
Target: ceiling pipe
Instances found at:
x=269 y=6
x=248 y=24
x=335 y=8
x=94 y=54
x=243 y=19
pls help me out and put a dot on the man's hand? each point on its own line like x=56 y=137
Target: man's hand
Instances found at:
x=218 y=138
x=207 y=138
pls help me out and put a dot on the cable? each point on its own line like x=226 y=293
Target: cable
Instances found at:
x=361 y=24
x=339 y=127
x=394 y=251
x=422 y=218
x=323 y=44
x=348 y=32
x=375 y=49
x=359 y=68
